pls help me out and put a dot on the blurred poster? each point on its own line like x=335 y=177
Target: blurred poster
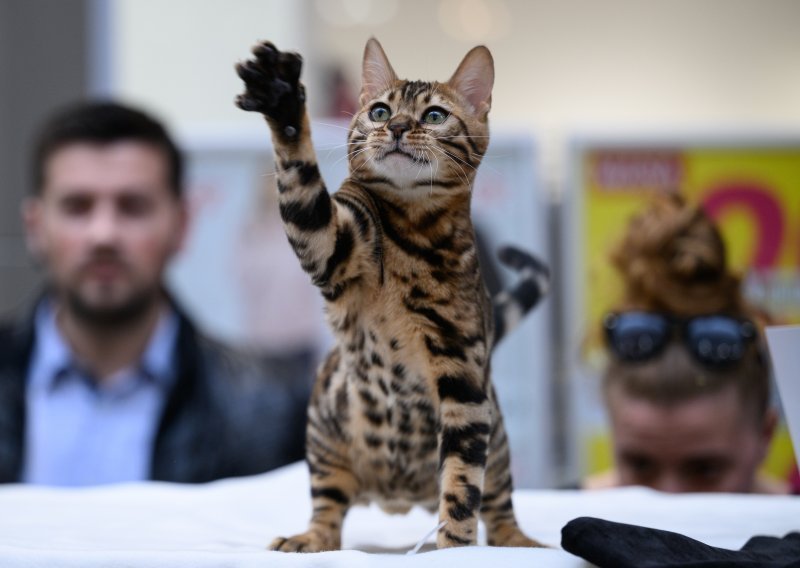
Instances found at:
x=752 y=192
x=751 y=189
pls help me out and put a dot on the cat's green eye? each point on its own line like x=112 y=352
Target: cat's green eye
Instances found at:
x=379 y=113
x=434 y=115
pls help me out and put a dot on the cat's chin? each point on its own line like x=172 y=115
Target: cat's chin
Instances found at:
x=397 y=154
x=403 y=172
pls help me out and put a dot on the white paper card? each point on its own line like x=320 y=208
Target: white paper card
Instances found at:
x=784 y=348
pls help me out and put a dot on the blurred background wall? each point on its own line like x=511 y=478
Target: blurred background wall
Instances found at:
x=565 y=70
x=561 y=64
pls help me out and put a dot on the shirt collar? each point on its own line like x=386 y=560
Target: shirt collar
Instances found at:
x=53 y=359
x=158 y=359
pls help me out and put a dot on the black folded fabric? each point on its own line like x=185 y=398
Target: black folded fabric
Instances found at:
x=617 y=545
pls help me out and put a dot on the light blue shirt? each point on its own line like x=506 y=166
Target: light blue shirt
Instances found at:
x=82 y=432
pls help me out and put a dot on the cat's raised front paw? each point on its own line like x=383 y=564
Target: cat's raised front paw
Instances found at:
x=272 y=87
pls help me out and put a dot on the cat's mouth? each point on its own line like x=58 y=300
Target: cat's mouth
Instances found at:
x=397 y=152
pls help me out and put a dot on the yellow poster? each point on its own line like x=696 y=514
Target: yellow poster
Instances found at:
x=752 y=193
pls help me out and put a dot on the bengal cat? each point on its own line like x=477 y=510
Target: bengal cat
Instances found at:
x=403 y=411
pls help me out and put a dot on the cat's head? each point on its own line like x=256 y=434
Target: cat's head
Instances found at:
x=673 y=258
x=417 y=137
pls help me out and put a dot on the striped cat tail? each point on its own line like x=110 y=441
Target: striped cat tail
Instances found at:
x=511 y=305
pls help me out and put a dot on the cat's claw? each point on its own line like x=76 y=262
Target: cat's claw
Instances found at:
x=273 y=88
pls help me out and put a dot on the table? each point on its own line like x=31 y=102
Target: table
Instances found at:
x=228 y=524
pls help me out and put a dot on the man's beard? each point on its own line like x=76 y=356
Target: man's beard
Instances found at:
x=131 y=310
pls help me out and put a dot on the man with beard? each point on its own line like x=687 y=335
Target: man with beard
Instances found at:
x=106 y=379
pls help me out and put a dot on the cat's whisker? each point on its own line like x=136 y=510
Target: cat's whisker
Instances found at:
x=482 y=156
x=463 y=176
x=453 y=156
x=339 y=126
x=353 y=154
x=435 y=175
x=362 y=147
x=468 y=164
x=444 y=137
x=364 y=164
x=421 y=161
x=430 y=165
x=358 y=152
x=333 y=147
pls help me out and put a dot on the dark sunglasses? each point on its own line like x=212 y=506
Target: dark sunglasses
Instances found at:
x=714 y=340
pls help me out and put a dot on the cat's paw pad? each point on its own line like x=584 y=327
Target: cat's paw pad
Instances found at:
x=272 y=84
x=305 y=542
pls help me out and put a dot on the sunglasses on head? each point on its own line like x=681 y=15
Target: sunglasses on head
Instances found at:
x=714 y=340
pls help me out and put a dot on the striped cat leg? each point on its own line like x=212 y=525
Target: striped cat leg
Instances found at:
x=332 y=493
x=333 y=485
x=497 y=511
x=465 y=416
x=330 y=239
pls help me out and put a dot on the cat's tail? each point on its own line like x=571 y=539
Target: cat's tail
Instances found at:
x=511 y=305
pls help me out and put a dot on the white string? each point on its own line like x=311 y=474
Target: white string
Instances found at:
x=425 y=539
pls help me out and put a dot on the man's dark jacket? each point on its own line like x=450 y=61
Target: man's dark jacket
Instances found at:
x=228 y=413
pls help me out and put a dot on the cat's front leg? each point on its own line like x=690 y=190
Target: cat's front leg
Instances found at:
x=331 y=237
x=334 y=486
x=333 y=490
x=466 y=424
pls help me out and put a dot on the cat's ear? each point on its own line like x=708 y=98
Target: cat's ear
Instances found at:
x=377 y=74
x=474 y=79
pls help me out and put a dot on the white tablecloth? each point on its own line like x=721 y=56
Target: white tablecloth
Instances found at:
x=228 y=524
